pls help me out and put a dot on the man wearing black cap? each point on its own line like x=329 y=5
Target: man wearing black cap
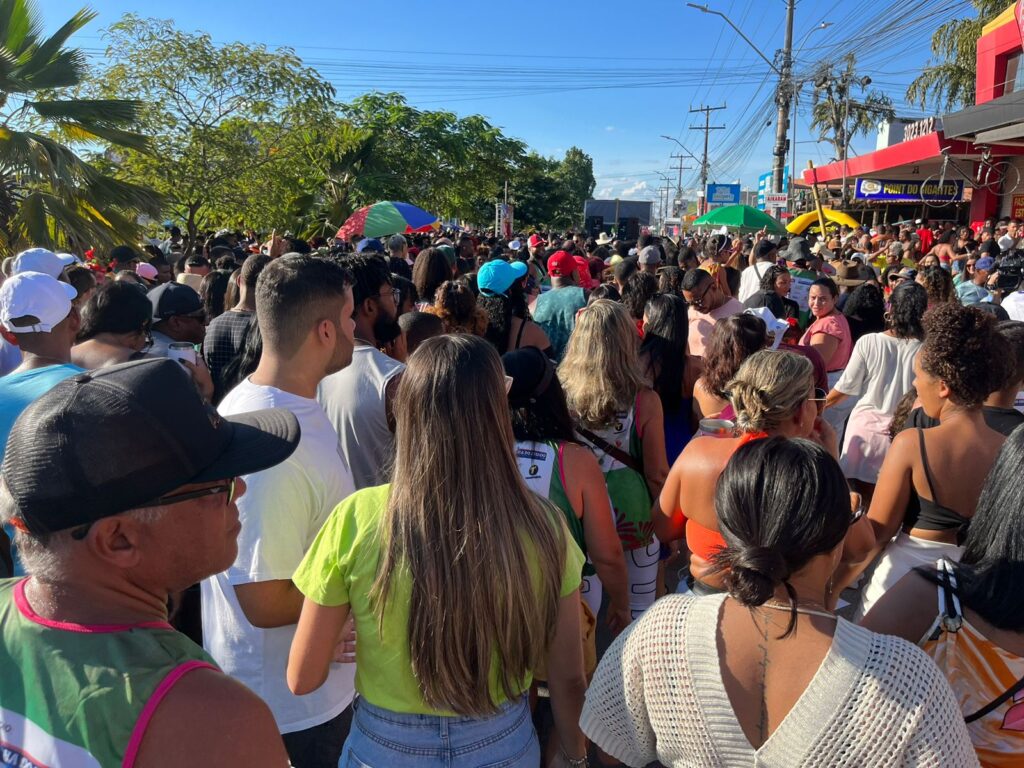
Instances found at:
x=178 y=315
x=119 y=501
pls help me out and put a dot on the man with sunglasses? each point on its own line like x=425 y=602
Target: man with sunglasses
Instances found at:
x=178 y=315
x=708 y=304
x=357 y=399
x=120 y=501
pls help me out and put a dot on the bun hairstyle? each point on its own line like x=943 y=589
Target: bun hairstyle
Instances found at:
x=780 y=502
x=768 y=389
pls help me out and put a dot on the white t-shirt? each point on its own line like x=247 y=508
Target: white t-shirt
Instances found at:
x=881 y=371
x=750 y=279
x=282 y=511
x=1013 y=303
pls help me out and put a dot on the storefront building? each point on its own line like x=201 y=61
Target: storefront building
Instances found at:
x=984 y=175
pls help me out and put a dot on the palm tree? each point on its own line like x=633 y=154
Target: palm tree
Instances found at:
x=949 y=81
x=49 y=194
x=838 y=116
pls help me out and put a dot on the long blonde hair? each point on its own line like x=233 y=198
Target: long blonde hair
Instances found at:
x=484 y=554
x=601 y=372
x=768 y=389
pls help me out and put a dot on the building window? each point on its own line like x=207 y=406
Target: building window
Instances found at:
x=1014 y=74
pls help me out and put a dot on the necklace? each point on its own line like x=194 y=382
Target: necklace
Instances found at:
x=806 y=611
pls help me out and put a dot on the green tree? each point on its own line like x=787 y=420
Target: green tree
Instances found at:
x=838 y=116
x=575 y=176
x=226 y=121
x=433 y=159
x=536 y=191
x=948 y=82
x=50 y=194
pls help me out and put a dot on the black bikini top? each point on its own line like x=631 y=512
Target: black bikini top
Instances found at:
x=930 y=514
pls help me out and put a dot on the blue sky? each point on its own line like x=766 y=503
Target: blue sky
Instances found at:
x=609 y=77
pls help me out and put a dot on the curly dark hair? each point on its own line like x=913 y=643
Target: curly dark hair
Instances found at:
x=963 y=348
x=640 y=288
x=732 y=341
x=938 y=284
x=773 y=273
x=670 y=280
x=907 y=306
x=865 y=310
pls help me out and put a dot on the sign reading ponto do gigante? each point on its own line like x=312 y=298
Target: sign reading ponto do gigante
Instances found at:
x=904 y=190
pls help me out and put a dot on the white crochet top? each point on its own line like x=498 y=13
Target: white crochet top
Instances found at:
x=876 y=700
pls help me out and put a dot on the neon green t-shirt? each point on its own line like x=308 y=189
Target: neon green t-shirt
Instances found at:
x=340 y=568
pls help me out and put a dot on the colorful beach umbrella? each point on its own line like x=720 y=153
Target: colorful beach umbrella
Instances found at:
x=807 y=221
x=742 y=217
x=387 y=218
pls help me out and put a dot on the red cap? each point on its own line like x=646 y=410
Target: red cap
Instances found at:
x=583 y=264
x=536 y=240
x=562 y=264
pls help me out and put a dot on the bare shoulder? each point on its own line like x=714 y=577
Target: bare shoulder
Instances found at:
x=650 y=404
x=208 y=718
x=579 y=458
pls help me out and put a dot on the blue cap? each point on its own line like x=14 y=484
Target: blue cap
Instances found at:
x=985 y=263
x=497 y=276
x=370 y=244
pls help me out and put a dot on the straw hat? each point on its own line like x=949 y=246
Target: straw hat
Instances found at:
x=847 y=272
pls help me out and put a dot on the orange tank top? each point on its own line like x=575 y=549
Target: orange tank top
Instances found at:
x=705 y=542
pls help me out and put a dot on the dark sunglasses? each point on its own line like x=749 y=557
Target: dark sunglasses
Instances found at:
x=78 y=534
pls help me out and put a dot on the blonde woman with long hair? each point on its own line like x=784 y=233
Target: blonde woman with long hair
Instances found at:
x=459 y=579
x=619 y=417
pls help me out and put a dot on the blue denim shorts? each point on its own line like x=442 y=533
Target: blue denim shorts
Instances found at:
x=381 y=738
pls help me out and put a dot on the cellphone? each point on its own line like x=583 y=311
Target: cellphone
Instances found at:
x=182 y=350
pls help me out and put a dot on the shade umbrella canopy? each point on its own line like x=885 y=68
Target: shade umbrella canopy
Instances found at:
x=740 y=217
x=387 y=218
x=806 y=221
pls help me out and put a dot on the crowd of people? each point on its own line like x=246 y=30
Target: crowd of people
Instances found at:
x=454 y=499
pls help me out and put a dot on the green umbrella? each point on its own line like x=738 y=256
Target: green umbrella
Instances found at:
x=740 y=217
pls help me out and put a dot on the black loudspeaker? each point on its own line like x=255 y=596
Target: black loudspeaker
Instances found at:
x=629 y=228
x=594 y=225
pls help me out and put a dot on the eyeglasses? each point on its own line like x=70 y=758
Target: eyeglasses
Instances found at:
x=395 y=294
x=698 y=301
x=819 y=398
x=174 y=498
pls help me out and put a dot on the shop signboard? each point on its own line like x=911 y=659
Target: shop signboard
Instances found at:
x=907 y=190
x=1017 y=207
x=723 y=194
x=764 y=186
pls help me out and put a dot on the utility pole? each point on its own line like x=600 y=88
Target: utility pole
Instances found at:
x=783 y=95
x=707 y=128
x=679 y=179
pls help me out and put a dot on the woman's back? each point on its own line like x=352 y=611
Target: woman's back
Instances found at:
x=938 y=471
x=863 y=699
x=342 y=568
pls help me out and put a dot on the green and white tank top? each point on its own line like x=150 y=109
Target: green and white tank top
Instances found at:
x=540 y=465
x=81 y=696
x=631 y=498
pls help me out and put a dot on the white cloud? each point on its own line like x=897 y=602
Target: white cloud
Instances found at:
x=609 y=128
x=640 y=186
x=603 y=193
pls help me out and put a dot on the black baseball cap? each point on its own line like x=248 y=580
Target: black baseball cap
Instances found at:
x=106 y=441
x=172 y=299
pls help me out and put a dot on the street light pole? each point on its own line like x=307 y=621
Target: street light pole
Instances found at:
x=782 y=92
